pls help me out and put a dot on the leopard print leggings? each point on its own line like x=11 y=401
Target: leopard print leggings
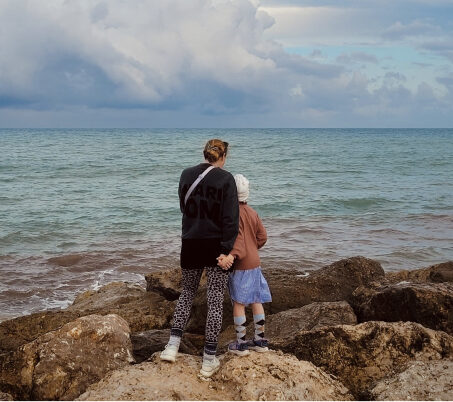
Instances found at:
x=217 y=282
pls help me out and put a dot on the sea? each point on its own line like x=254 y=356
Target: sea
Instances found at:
x=80 y=208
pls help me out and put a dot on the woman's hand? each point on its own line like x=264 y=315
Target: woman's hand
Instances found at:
x=225 y=261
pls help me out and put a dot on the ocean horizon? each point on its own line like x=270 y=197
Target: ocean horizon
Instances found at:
x=80 y=208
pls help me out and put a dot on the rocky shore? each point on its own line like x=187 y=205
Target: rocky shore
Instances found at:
x=348 y=331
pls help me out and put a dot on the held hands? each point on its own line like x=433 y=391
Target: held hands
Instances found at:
x=225 y=261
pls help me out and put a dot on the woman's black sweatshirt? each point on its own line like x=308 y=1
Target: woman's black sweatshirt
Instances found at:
x=210 y=220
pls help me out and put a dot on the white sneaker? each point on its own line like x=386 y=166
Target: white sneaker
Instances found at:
x=209 y=367
x=169 y=353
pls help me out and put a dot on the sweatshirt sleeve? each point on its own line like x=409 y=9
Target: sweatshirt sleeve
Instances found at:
x=230 y=216
x=261 y=234
x=239 y=250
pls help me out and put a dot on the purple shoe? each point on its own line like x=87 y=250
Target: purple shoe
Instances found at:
x=261 y=345
x=239 y=348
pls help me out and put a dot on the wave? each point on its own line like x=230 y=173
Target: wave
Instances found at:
x=361 y=203
x=66 y=260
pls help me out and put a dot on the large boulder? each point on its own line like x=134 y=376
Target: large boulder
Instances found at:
x=360 y=355
x=21 y=330
x=430 y=304
x=284 y=326
x=435 y=273
x=141 y=309
x=421 y=381
x=145 y=343
x=334 y=282
x=165 y=282
x=291 y=289
x=265 y=376
x=60 y=365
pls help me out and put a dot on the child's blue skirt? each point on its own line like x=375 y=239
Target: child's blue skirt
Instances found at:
x=249 y=286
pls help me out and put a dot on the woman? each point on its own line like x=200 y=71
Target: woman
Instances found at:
x=210 y=225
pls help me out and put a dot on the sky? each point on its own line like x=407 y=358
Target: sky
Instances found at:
x=226 y=63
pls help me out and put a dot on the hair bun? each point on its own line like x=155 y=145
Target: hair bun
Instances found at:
x=214 y=150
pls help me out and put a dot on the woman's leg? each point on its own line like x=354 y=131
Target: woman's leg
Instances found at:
x=190 y=282
x=217 y=282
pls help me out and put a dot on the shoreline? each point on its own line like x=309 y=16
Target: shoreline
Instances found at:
x=350 y=312
x=76 y=262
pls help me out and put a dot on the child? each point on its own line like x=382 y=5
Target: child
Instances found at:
x=246 y=283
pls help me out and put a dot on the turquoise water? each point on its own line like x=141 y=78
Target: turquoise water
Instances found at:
x=79 y=208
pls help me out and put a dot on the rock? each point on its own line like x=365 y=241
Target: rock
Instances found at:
x=167 y=283
x=435 y=273
x=284 y=326
x=5 y=397
x=22 y=330
x=143 y=311
x=334 y=282
x=360 y=355
x=265 y=376
x=291 y=289
x=61 y=364
x=421 y=381
x=144 y=344
x=430 y=304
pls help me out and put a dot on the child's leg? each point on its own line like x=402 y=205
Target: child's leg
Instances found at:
x=239 y=321
x=259 y=320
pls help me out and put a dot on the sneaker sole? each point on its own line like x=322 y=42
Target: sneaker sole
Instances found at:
x=208 y=374
x=168 y=359
x=239 y=352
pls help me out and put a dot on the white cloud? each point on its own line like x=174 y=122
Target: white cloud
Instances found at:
x=415 y=28
x=209 y=62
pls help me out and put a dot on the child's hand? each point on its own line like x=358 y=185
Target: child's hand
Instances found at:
x=225 y=261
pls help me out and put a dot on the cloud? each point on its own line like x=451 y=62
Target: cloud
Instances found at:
x=400 y=31
x=357 y=57
x=205 y=63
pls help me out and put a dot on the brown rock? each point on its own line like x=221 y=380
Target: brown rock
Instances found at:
x=284 y=326
x=360 y=355
x=5 y=397
x=144 y=344
x=291 y=289
x=143 y=311
x=167 y=283
x=22 y=330
x=421 y=381
x=435 y=273
x=265 y=376
x=430 y=304
x=61 y=364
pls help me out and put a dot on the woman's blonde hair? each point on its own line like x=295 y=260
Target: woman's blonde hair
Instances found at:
x=214 y=150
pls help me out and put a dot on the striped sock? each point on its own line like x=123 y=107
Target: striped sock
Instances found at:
x=174 y=340
x=210 y=349
x=239 y=326
x=259 y=321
